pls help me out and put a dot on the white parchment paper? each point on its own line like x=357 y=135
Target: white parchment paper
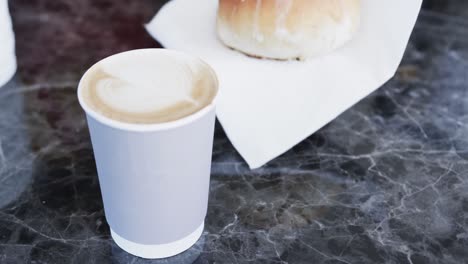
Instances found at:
x=266 y=107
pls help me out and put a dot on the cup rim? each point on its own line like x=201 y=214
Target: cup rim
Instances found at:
x=135 y=127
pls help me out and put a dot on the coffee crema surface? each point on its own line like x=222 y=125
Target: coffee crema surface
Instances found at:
x=150 y=87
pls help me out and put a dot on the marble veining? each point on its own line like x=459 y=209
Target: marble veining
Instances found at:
x=386 y=182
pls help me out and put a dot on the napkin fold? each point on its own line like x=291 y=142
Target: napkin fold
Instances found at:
x=7 y=45
x=265 y=106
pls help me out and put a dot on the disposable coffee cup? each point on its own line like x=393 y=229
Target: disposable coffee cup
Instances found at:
x=7 y=46
x=154 y=178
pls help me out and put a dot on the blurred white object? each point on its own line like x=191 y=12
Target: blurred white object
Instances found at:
x=7 y=45
x=265 y=106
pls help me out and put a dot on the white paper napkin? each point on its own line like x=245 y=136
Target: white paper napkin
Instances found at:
x=266 y=107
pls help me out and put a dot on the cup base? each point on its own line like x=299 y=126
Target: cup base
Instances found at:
x=159 y=250
x=7 y=71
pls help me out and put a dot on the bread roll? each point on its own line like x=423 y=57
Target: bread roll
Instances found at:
x=287 y=29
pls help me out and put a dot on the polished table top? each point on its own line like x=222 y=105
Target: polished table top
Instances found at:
x=386 y=182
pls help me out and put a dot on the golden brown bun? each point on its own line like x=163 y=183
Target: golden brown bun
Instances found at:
x=287 y=29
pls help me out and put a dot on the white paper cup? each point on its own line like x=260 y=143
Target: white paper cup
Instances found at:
x=7 y=46
x=154 y=178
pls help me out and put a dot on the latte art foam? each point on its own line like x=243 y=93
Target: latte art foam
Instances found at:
x=152 y=87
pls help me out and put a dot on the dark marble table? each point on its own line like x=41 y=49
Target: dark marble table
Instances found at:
x=386 y=182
